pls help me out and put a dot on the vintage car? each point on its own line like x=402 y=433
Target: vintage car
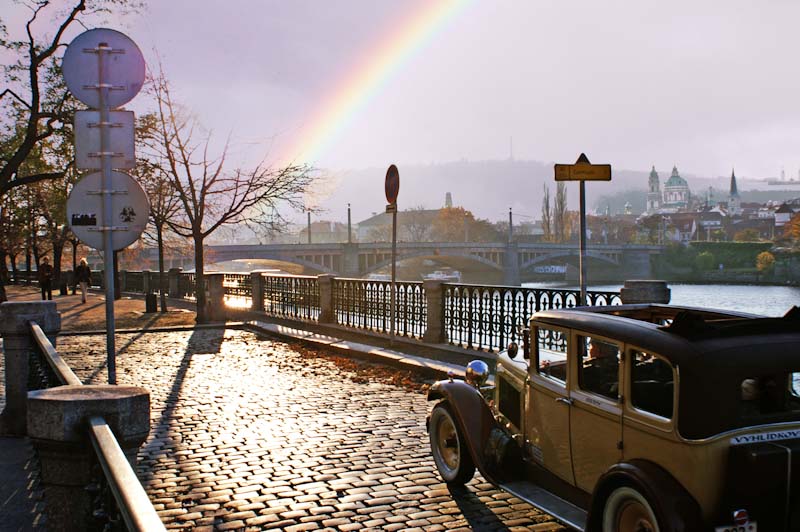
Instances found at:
x=636 y=418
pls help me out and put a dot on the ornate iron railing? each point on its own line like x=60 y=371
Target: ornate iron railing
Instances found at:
x=238 y=289
x=489 y=317
x=119 y=500
x=366 y=304
x=292 y=296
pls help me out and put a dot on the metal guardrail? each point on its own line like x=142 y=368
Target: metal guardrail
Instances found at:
x=118 y=490
x=490 y=317
x=292 y=296
x=366 y=304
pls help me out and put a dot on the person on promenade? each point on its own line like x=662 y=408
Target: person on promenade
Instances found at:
x=46 y=278
x=83 y=275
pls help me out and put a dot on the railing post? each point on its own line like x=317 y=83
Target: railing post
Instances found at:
x=216 y=296
x=174 y=277
x=434 y=296
x=327 y=310
x=636 y=291
x=17 y=346
x=123 y=280
x=58 y=427
x=257 y=291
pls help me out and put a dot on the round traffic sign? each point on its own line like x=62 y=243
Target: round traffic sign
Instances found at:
x=123 y=67
x=392 y=184
x=129 y=207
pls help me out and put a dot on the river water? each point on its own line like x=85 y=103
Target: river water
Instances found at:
x=756 y=299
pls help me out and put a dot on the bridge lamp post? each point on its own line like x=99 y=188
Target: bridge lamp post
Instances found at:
x=309 y=225
x=349 y=229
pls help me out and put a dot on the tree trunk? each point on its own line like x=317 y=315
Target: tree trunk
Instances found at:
x=162 y=279
x=199 y=279
x=3 y=277
x=58 y=251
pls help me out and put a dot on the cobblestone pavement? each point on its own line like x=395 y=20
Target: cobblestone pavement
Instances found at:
x=253 y=433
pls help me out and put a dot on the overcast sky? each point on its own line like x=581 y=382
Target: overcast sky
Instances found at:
x=704 y=85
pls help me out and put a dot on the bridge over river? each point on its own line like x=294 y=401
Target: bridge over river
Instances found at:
x=514 y=260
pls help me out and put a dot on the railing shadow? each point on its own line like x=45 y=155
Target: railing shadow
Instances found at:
x=206 y=341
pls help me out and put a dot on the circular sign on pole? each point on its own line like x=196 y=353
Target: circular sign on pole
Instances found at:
x=392 y=184
x=123 y=68
x=129 y=206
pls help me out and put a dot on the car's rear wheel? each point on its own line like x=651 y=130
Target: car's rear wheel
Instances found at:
x=627 y=510
x=448 y=447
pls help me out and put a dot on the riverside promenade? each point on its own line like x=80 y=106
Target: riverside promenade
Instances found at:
x=252 y=432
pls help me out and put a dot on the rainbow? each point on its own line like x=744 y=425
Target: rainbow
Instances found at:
x=370 y=75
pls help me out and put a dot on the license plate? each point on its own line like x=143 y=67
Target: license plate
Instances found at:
x=752 y=526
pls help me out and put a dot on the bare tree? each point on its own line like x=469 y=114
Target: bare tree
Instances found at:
x=560 y=221
x=210 y=195
x=151 y=171
x=417 y=224
x=547 y=220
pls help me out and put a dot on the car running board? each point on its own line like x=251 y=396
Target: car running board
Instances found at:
x=564 y=511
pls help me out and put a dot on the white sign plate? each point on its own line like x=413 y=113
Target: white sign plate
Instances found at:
x=129 y=206
x=123 y=67
x=87 y=140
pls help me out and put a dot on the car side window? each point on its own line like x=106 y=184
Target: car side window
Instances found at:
x=598 y=370
x=652 y=384
x=551 y=353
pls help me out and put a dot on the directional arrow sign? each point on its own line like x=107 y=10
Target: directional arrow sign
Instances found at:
x=583 y=170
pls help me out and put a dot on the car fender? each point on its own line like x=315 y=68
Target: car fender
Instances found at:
x=674 y=507
x=493 y=451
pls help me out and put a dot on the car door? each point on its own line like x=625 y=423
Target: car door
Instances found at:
x=548 y=414
x=596 y=412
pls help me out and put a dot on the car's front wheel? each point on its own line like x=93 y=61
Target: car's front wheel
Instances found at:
x=448 y=447
x=627 y=510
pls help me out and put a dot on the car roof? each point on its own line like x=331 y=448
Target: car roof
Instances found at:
x=694 y=336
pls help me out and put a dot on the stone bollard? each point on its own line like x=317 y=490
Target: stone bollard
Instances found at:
x=327 y=312
x=434 y=296
x=636 y=291
x=257 y=290
x=15 y=318
x=174 y=278
x=59 y=430
x=215 y=299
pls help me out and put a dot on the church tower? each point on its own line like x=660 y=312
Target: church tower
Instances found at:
x=734 y=201
x=653 y=192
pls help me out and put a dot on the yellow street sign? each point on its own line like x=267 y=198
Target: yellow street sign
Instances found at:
x=583 y=170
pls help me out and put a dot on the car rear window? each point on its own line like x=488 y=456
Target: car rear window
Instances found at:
x=769 y=395
x=652 y=384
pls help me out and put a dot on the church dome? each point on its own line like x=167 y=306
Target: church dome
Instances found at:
x=675 y=180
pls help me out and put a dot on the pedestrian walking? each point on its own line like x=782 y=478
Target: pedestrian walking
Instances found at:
x=83 y=275
x=46 y=278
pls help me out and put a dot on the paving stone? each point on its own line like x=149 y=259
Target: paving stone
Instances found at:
x=259 y=434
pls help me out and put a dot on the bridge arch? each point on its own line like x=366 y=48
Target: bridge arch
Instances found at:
x=602 y=257
x=424 y=254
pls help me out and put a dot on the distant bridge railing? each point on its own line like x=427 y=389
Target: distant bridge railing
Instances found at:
x=481 y=317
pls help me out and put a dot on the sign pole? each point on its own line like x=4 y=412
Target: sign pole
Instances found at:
x=582 y=258
x=582 y=171
x=392 y=188
x=394 y=271
x=108 y=221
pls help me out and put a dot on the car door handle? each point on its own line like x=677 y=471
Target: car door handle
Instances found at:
x=565 y=400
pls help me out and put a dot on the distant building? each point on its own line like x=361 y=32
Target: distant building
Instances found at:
x=676 y=193
x=734 y=201
x=653 y=192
